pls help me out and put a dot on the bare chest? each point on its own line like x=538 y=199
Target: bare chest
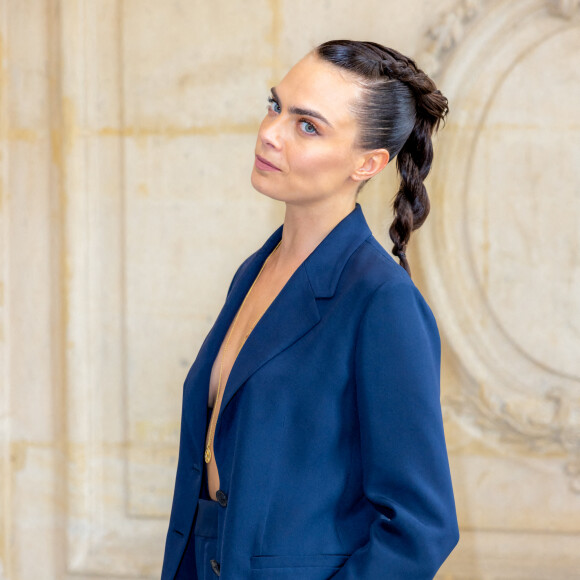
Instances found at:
x=252 y=309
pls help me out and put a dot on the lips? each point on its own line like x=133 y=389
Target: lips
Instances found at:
x=264 y=165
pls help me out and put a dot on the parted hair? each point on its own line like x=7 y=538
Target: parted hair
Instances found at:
x=400 y=109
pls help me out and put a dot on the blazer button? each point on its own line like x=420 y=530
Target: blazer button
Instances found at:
x=221 y=497
x=215 y=566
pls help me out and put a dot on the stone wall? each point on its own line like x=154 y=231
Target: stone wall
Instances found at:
x=126 y=132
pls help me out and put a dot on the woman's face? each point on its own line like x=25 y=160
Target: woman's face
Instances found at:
x=305 y=151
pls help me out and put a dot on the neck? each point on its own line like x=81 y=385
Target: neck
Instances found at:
x=305 y=226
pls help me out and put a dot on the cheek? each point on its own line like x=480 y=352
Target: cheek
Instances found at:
x=322 y=159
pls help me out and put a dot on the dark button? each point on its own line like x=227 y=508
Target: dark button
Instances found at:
x=221 y=497
x=215 y=566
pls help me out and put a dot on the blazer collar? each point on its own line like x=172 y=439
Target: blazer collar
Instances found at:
x=325 y=264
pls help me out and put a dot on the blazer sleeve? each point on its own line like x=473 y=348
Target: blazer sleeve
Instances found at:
x=405 y=466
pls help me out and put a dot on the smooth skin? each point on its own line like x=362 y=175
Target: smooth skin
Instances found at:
x=306 y=156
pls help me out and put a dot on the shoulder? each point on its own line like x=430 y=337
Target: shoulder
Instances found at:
x=373 y=267
x=385 y=285
x=382 y=266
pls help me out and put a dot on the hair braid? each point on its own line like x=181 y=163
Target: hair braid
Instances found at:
x=401 y=110
x=411 y=205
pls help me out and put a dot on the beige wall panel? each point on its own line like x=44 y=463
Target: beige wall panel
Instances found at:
x=304 y=24
x=198 y=64
x=127 y=131
x=145 y=209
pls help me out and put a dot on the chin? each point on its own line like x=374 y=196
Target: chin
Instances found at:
x=261 y=185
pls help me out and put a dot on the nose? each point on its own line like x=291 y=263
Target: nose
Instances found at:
x=270 y=133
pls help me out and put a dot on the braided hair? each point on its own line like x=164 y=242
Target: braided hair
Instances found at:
x=400 y=109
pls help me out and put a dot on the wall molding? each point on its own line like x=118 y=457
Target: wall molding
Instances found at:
x=524 y=402
x=104 y=536
x=448 y=32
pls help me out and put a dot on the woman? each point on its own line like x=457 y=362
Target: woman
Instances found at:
x=322 y=453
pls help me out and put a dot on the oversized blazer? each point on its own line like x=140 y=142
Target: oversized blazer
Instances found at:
x=329 y=439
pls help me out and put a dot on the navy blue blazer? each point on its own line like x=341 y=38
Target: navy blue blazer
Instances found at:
x=329 y=439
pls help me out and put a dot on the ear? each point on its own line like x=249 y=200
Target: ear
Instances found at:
x=370 y=163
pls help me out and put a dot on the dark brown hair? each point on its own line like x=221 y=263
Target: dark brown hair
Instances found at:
x=399 y=112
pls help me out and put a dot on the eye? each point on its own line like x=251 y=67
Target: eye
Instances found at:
x=308 y=128
x=273 y=105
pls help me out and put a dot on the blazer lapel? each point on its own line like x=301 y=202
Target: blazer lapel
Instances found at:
x=197 y=383
x=294 y=311
x=290 y=316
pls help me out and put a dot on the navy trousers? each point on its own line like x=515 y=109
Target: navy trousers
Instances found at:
x=201 y=551
x=205 y=538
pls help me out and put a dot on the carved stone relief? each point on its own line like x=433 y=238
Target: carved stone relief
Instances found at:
x=506 y=235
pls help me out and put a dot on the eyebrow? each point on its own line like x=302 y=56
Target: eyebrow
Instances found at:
x=300 y=111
